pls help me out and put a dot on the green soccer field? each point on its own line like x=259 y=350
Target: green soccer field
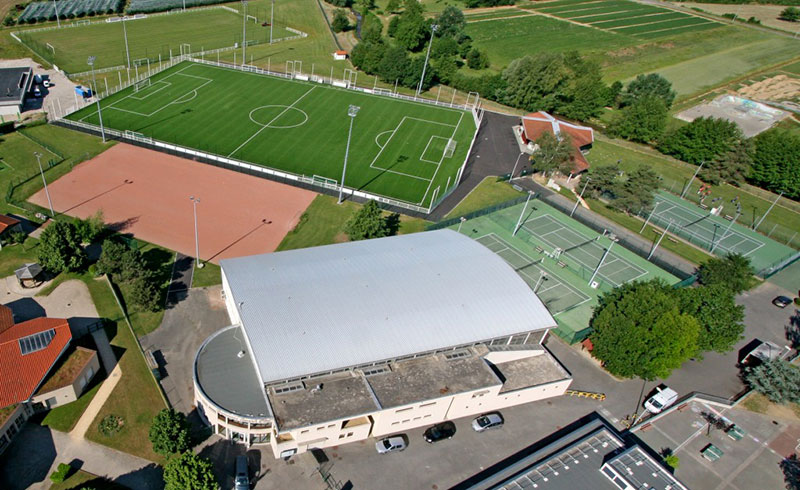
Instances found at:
x=397 y=148
x=148 y=38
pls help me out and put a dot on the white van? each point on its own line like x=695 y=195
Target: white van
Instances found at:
x=663 y=398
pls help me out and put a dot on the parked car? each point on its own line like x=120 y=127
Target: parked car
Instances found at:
x=487 y=421
x=663 y=398
x=391 y=444
x=782 y=301
x=242 y=480
x=445 y=430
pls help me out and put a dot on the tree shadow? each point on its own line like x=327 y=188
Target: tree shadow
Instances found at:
x=119 y=226
x=393 y=223
x=146 y=478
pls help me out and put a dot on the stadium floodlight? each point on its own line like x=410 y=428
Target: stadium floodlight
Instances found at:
x=195 y=202
x=244 y=32
x=58 y=21
x=271 y=20
x=47 y=192
x=514 y=170
x=351 y=111
x=580 y=198
x=90 y=61
x=127 y=51
x=422 y=78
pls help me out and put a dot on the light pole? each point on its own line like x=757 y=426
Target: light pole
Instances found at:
x=127 y=51
x=422 y=79
x=461 y=221
x=195 y=202
x=94 y=82
x=513 y=171
x=49 y=202
x=58 y=21
x=542 y=277
x=351 y=111
x=686 y=189
x=244 y=32
x=652 y=212
x=271 y=20
x=581 y=197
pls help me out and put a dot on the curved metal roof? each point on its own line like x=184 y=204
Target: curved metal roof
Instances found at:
x=326 y=308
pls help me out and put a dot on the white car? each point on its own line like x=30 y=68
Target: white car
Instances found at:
x=487 y=421
x=390 y=444
x=663 y=398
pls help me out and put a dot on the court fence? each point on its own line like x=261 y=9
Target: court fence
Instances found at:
x=480 y=212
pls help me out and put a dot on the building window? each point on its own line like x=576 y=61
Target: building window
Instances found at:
x=3 y=442
x=304 y=431
x=404 y=409
x=395 y=423
x=331 y=426
x=12 y=429
x=341 y=436
x=349 y=434
x=20 y=420
x=89 y=373
x=427 y=404
x=321 y=428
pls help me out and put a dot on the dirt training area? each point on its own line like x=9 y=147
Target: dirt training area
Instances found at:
x=147 y=194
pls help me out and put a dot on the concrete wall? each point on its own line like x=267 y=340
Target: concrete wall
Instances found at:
x=233 y=313
x=13 y=425
x=398 y=419
x=467 y=406
x=331 y=433
x=70 y=393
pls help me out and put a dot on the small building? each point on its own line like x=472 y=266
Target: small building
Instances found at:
x=335 y=344
x=30 y=275
x=15 y=84
x=8 y=225
x=340 y=55
x=39 y=369
x=588 y=454
x=534 y=125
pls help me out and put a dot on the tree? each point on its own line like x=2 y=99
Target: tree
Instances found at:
x=643 y=120
x=650 y=85
x=60 y=248
x=477 y=60
x=88 y=229
x=553 y=154
x=111 y=257
x=776 y=379
x=341 y=3
x=732 y=271
x=451 y=22
x=613 y=92
x=603 y=181
x=791 y=472
x=392 y=6
x=367 y=222
x=640 y=331
x=776 y=162
x=169 y=432
x=394 y=65
x=585 y=94
x=635 y=192
x=702 y=140
x=791 y=14
x=189 y=472
x=732 y=167
x=340 y=21
x=143 y=293
x=536 y=83
x=720 y=318
x=411 y=28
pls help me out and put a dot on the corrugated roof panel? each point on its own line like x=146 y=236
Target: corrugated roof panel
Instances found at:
x=326 y=308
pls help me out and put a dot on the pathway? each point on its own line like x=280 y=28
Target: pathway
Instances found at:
x=96 y=404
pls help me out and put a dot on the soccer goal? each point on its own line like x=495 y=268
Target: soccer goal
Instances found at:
x=141 y=85
x=133 y=135
x=450 y=148
x=383 y=91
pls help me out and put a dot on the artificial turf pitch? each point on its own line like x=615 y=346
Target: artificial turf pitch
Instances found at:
x=397 y=148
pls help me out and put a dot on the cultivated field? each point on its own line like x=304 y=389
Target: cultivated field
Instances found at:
x=767 y=14
x=148 y=38
x=398 y=148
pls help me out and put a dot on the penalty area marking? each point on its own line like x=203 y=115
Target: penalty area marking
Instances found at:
x=422 y=157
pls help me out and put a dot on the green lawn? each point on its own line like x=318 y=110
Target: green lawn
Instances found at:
x=14 y=256
x=487 y=193
x=82 y=479
x=323 y=223
x=65 y=417
x=209 y=275
x=148 y=38
x=397 y=149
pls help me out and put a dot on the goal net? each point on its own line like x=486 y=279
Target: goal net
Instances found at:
x=141 y=85
x=450 y=148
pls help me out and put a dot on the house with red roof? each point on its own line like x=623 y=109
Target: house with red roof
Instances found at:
x=8 y=225
x=534 y=125
x=39 y=369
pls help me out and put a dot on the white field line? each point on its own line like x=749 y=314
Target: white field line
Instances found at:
x=272 y=121
x=162 y=86
x=422 y=159
x=394 y=131
x=439 y=165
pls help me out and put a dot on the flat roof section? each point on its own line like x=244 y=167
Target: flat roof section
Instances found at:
x=339 y=396
x=326 y=308
x=431 y=377
x=227 y=379
x=530 y=371
x=14 y=83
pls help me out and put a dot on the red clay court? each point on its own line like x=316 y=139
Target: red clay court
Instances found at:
x=146 y=193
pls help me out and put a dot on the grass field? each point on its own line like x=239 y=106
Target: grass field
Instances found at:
x=149 y=38
x=485 y=194
x=397 y=148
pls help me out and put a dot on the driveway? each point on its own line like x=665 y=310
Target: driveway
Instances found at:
x=61 y=92
x=191 y=316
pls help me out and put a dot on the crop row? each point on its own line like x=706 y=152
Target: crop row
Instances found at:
x=68 y=9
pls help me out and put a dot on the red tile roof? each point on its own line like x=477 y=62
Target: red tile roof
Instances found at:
x=341 y=51
x=7 y=222
x=537 y=123
x=20 y=374
x=6 y=318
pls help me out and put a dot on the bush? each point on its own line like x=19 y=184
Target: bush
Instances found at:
x=18 y=237
x=169 y=432
x=776 y=379
x=340 y=21
x=791 y=14
x=110 y=425
x=672 y=461
x=61 y=473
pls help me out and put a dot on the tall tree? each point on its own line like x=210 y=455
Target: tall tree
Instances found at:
x=650 y=85
x=189 y=472
x=702 y=140
x=585 y=94
x=639 y=331
x=60 y=248
x=340 y=21
x=777 y=379
x=603 y=181
x=451 y=22
x=732 y=271
x=732 y=167
x=392 y=6
x=169 y=432
x=367 y=222
x=776 y=162
x=643 y=120
x=553 y=154
x=536 y=83
x=720 y=318
x=791 y=14
x=634 y=193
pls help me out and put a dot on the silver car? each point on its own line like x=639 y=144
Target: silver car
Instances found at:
x=391 y=444
x=487 y=421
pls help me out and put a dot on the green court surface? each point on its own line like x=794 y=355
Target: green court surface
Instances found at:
x=562 y=281
x=705 y=230
x=398 y=148
x=148 y=38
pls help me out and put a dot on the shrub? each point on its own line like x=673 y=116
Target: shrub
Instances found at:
x=672 y=461
x=111 y=424
x=169 y=432
x=791 y=14
x=61 y=473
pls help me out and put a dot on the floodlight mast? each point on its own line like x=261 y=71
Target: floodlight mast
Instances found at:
x=244 y=32
x=127 y=51
x=47 y=192
x=424 y=66
x=271 y=20
x=351 y=111
x=198 y=263
x=90 y=61
x=58 y=21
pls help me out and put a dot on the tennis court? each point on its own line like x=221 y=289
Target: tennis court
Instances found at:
x=556 y=294
x=584 y=250
x=701 y=227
